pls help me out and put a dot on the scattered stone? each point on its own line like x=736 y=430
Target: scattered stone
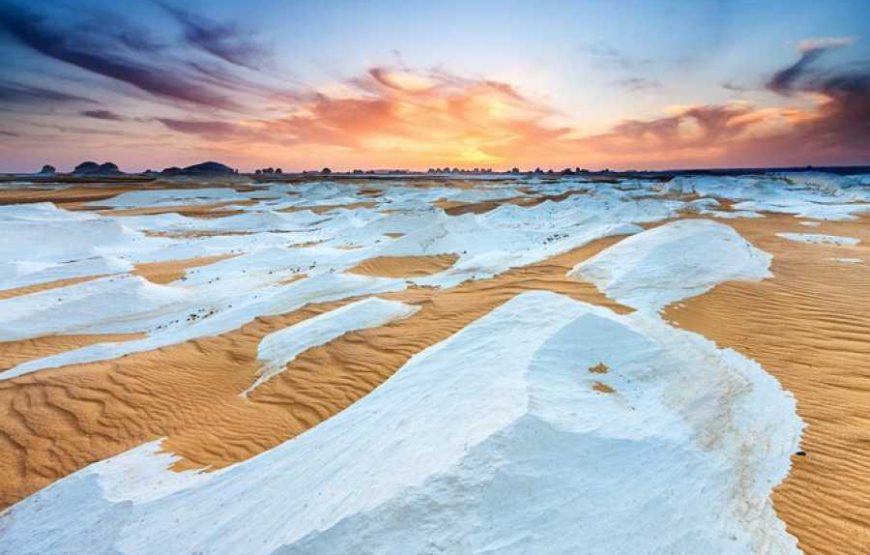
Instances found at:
x=603 y=388
x=599 y=368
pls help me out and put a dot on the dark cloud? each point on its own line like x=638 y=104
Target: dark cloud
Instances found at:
x=17 y=93
x=784 y=80
x=843 y=119
x=787 y=80
x=208 y=129
x=104 y=55
x=102 y=114
x=224 y=40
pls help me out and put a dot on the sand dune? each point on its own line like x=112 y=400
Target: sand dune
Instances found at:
x=404 y=266
x=809 y=326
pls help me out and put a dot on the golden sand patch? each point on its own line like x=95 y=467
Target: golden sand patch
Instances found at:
x=394 y=235
x=70 y=197
x=171 y=270
x=59 y=420
x=37 y=287
x=206 y=210
x=13 y=353
x=457 y=208
x=323 y=209
x=809 y=326
x=404 y=266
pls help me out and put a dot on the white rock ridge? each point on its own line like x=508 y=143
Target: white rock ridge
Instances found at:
x=674 y=261
x=493 y=440
x=819 y=238
x=279 y=348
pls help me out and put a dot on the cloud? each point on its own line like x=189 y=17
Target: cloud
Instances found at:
x=834 y=130
x=823 y=43
x=434 y=118
x=210 y=129
x=418 y=117
x=226 y=41
x=784 y=80
x=102 y=114
x=105 y=55
x=18 y=93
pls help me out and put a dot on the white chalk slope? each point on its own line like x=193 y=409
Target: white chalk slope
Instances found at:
x=671 y=262
x=819 y=238
x=279 y=348
x=491 y=441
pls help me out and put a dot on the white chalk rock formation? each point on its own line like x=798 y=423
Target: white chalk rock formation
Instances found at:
x=675 y=261
x=498 y=439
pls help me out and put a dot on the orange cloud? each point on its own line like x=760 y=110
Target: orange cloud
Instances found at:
x=419 y=119
x=399 y=118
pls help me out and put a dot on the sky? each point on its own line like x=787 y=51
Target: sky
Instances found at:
x=409 y=84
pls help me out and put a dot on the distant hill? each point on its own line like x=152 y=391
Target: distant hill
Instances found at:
x=92 y=168
x=204 y=168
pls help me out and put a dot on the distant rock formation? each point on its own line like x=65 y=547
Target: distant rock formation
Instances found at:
x=108 y=168
x=204 y=168
x=47 y=169
x=268 y=171
x=92 y=168
x=86 y=168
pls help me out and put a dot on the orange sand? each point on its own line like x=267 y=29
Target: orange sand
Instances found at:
x=404 y=266
x=13 y=353
x=328 y=207
x=36 y=288
x=210 y=210
x=167 y=272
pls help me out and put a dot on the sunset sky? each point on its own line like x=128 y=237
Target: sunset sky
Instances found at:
x=405 y=84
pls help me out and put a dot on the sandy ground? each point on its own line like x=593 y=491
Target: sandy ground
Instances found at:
x=207 y=210
x=323 y=208
x=404 y=266
x=809 y=326
x=167 y=272
x=27 y=290
x=13 y=353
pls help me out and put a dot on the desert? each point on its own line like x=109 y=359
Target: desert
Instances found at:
x=400 y=358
